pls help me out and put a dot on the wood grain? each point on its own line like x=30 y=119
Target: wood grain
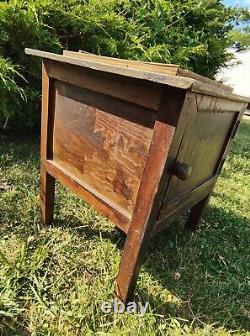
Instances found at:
x=169 y=69
x=114 y=130
x=128 y=89
x=181 y=82
x=183 y=203
x=151 y=77
x=102 y=149
x=205 y=136
x=148 y=203
x=84 y=191
x=215 y=104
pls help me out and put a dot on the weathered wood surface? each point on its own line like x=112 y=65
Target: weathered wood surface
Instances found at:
x=94 y=141
x=204 y=146
x=185 y=82
x=169 y=69
x=152 y=77
x=184 y=202
x=47 y=182
x=148 y=203
x=128 y=89
x=115 y=133
x=84 y=191
x=201 y=149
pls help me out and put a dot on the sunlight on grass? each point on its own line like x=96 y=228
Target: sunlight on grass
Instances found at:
x=53 y=279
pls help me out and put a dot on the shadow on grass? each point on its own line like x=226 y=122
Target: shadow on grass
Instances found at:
x=204 y=272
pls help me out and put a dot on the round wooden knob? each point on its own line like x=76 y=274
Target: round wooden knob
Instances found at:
x=182 y=170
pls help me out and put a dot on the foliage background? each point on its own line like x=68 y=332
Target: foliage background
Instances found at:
x=192 y=33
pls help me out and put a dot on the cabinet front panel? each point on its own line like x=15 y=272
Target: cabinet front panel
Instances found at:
x=102 y=142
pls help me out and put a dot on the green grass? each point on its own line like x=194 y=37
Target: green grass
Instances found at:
x=53 y=279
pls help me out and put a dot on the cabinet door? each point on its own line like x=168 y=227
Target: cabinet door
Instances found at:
x=205 y=138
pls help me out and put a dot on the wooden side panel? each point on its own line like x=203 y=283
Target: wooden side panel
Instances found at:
x=102 y=142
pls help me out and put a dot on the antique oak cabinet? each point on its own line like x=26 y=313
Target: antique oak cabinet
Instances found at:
x=141 y=142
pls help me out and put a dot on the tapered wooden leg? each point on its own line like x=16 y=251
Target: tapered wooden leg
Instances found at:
x=196 y=213
x=47 y=192
x=149 y=197
x=47 y=182
x=130 y=265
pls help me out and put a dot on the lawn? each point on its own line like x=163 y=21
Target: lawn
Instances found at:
x=54 y=279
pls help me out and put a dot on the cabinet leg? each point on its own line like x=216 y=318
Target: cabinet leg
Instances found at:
x=150 y=196
x=47 y=192
x=196 y=213
x=132 y=259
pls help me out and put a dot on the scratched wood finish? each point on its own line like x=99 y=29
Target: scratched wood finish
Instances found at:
x=201 y=149
x=168 y=69
x=187 y=82
x=104 y=150
x=152 y=188
x=142 y=143
x=208 y=132
x=84 y=191
x=137 y=65
x=130 y=90
x=183 y=203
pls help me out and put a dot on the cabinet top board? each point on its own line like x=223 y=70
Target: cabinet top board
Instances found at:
x=166 y=74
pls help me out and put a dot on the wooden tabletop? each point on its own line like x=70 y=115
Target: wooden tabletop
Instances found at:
x=168 y=74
